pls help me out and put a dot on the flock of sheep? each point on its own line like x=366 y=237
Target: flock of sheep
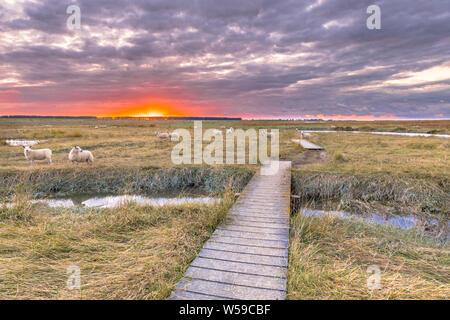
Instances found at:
x=167 y=135
x=176 y=137
x=76 y=155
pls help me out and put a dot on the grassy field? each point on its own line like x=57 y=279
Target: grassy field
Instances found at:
x=137 y=252
x=394 y=155
x=121 y=143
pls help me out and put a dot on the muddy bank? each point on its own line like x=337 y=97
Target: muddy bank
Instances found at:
x=309 y=157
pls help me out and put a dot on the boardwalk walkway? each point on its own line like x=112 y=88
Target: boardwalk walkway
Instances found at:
x=307 y=145
x=246 y=257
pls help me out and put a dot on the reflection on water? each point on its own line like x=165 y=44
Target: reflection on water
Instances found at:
x=116 y=201
x=407 y=134
x=19 y=143
x=55 y=203
x=403 y=222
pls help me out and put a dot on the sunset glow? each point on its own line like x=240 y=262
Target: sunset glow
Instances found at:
x=150 y=114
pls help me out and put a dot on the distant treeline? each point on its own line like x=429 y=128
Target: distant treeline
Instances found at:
x=125 y=118
x=50 y=117
x=174 y=118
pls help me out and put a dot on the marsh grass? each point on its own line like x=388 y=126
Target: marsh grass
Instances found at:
x=390 y=155
x=339 y=157
x=65 y=182
x=130 y=252
x=366 y=194
x=328 y=259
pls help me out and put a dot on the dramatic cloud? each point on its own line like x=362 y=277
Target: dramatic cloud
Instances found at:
x=259 y=58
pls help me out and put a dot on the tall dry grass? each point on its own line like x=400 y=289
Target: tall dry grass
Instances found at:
x=131 y=252
x=329 y=257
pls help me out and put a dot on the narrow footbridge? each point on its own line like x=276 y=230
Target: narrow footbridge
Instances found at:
x=247 y=256
x=307 y=145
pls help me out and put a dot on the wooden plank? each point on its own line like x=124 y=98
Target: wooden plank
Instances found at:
x=236 y=278
x=253 y=229
x=229 y=291
x=240 y=267
x=307 y=145
x=260 y=213
x=244 y=216
x=251 y=223
x=251 y=235
x=243 y=257
x=251 y=242
x=186 y=295
x=274 y=252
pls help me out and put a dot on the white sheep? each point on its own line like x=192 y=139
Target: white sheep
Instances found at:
x=40 y=154
x=78 y=155
x=267 y=134
x=164 y=135
x=303 y=134
x=230 y=130
x=174 y=136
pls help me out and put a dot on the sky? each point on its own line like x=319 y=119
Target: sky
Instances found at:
x=255 y=59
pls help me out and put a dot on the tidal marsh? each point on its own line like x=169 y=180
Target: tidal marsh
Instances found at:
x=140 y=252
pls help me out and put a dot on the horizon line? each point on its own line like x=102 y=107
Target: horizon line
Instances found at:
x=217 y=118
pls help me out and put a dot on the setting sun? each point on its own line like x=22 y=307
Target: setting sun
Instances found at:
x=149 y=114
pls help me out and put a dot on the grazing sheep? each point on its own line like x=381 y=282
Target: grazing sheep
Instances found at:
x=162 y=136
x=267 y=134
x=303 y=134
x=230 y=130
x=215 y=133
x=40 y=154
x=174 y=136
x=78 y=155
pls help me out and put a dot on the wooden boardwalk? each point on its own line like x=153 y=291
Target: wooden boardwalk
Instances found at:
x=246 y=257
x=307 y=145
